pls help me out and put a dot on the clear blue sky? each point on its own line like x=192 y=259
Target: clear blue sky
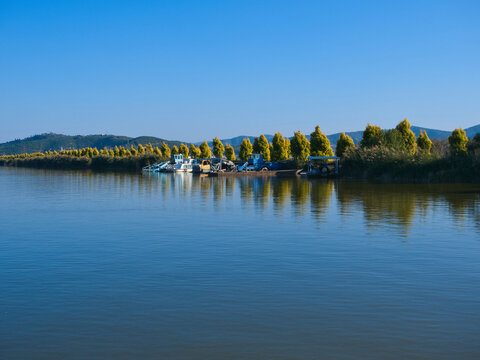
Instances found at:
x=191 y=70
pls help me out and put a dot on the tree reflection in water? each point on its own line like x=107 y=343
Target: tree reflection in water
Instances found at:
x=380 y=205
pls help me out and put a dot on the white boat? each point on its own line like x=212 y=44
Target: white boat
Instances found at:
x=180 y=165
x=186 y=166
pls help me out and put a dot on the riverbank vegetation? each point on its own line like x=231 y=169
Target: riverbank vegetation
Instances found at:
x=394 y=154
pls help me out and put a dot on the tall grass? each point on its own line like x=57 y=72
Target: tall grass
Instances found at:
x=100 y=162
x=389 y=164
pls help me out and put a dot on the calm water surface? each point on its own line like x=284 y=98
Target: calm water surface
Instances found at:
x=116 y=266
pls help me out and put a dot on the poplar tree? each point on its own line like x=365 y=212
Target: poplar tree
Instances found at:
x=372 y=136
x=407 y=135
x=230 y=153
x=261 y=146
x=255 y=146
x=116 y=151
x=319 y=144
x=423 y=142
x=458 y=142
x=218 y=148
x=194 y=151
x=183 y=149
x=165 y=150
x=289 y=148
x=279 y=150
x=205 y=151
x=123 y=152
x=133 y=150
x=174 y=150
x=246 y=149
x=344 y=143
x=300 y=146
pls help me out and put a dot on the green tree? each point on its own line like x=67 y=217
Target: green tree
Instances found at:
x=279 y=150
x=255 y=146
x=174 y=150
x=423 y=142
x=289 y=148
x=183 y=149
x=344 y=143
x=230 y=152
x=218 y=148
x=458 y=142
x=372 y=136
x=393 y=139
x=473 y=145
x=246 y=149
x=205 y=151
x=194 y=151
x=300 y=146
x=261 y=146
x=319 y=144
x=165 y=150
x=157 y=151
x=408 y=136
x=133 y=151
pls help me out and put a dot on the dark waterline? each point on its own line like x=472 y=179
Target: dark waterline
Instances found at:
x=122 y=266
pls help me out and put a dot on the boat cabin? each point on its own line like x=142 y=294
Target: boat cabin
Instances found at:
x=176 y=159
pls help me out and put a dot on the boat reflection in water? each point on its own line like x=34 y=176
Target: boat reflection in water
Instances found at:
x=381 y=205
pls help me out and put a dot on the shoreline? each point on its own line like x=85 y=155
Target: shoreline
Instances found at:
x=420 y=175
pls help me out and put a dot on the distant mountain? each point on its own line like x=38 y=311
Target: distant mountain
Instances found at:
x=472 y=131
x=51 y=141
x=236 y=141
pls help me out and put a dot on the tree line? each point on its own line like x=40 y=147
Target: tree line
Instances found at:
x=401 y=138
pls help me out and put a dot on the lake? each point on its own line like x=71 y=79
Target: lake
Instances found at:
x=125 y=266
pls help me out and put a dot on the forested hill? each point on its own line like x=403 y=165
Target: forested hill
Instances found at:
x=51 y=141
